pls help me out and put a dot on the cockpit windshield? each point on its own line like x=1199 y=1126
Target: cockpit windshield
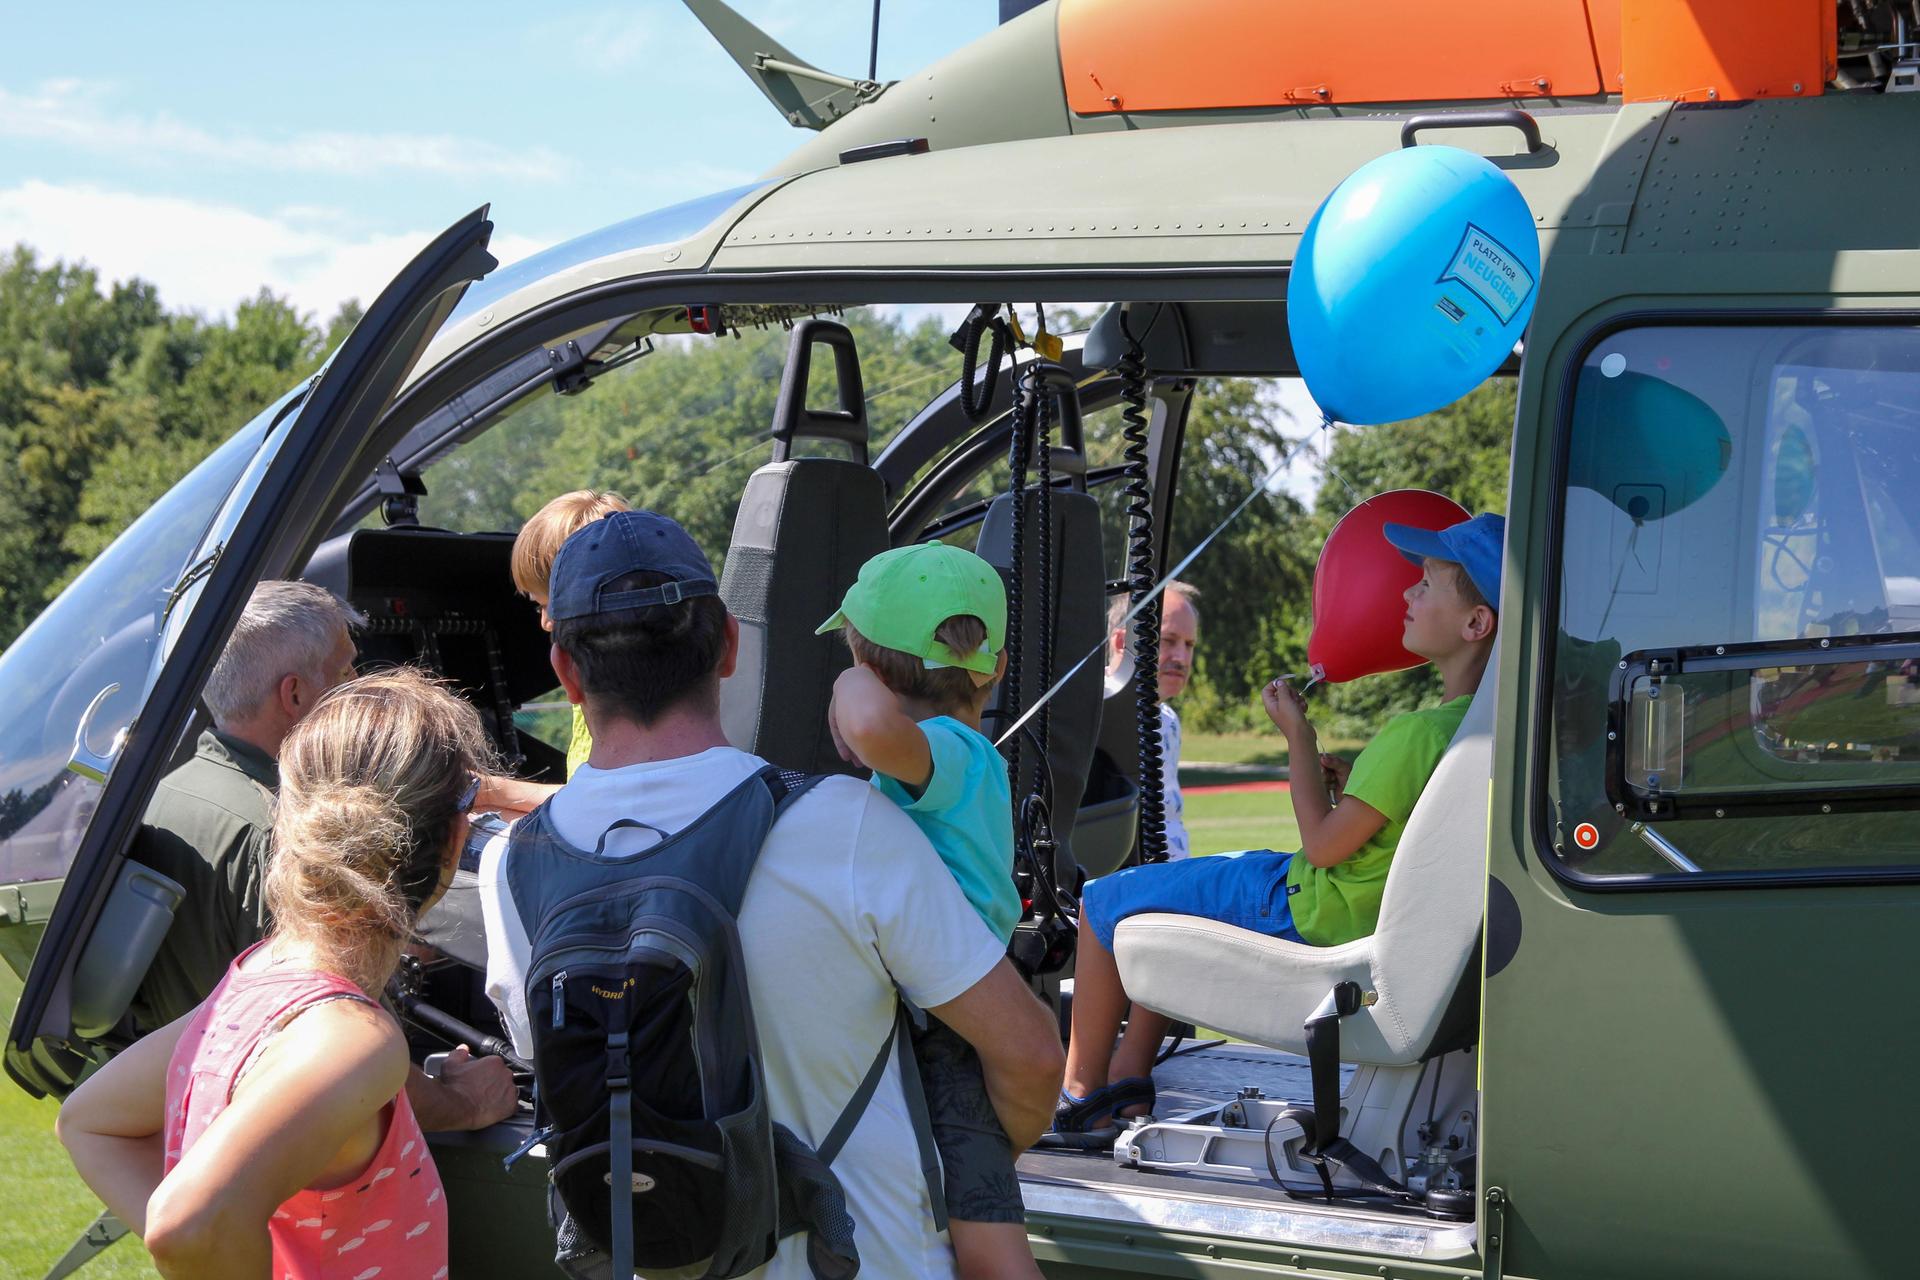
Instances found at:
x=101 y=631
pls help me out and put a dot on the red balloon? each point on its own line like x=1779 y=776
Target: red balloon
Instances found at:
x=1360 y=584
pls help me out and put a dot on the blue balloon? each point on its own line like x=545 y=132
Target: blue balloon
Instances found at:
x=1412 y=283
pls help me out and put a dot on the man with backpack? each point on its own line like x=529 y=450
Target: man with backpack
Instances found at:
x=756 y=1073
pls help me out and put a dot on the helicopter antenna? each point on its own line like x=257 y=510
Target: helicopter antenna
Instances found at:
x=873 y=46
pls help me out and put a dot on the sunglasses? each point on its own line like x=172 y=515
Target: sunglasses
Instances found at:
x=471 y=794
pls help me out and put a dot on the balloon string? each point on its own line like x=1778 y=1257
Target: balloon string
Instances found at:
x=1326 y=455
x=1146 y=599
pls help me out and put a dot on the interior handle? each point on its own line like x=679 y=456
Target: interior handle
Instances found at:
x=85 y=761
x=1505 y=117
x=792 y=417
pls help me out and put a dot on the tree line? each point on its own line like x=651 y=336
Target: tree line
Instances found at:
x=107 y=398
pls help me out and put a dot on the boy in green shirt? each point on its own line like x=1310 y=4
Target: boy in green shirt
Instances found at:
x=1329 y=891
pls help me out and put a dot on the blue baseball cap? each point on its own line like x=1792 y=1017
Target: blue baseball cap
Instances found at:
x=614 y=546
x=1475 y=545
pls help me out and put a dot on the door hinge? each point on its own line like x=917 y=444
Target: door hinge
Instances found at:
x=1494 y=1231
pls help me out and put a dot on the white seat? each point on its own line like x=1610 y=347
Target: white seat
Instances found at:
x=1262 y=989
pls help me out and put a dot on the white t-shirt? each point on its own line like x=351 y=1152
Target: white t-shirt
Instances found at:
x=1177 y=846
x=848 y=899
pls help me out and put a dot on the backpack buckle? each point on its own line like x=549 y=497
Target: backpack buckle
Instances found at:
x=618 y=1061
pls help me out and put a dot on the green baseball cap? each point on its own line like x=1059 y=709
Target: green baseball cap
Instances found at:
x=902 y=596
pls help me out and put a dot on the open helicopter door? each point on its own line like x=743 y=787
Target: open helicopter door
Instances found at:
x=316 y=444
x=804 y=528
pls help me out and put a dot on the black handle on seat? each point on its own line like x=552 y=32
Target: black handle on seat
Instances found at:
x=1057 y=381
x=792 y=418
x=1505 y=117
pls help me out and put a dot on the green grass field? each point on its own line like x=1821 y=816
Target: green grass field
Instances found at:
x=44 y=1207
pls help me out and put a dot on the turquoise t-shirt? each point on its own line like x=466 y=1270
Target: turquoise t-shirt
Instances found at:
x=966 y=813
x=1337 y=904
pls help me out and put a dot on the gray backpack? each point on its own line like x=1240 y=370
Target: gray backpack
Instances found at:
x=647 y=1071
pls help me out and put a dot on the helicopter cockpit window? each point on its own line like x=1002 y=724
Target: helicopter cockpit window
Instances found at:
x=1736 y=670
x=101 y=633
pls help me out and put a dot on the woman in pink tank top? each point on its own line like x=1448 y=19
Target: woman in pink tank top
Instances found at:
x=268 y=1132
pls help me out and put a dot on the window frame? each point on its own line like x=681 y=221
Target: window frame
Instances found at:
x=1538 y=795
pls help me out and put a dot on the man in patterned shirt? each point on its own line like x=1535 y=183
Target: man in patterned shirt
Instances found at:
x=1179 y=632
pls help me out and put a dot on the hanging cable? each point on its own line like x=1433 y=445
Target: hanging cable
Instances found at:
x=1144 y=603
x=1043 y=414
x=1019 y=453
x=983 y=320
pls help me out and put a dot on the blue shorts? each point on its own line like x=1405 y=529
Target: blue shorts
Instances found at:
x=1247 y=890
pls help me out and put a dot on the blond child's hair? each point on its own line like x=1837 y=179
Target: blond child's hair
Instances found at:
x=911 y=677
x=540 y=537
x=370 y=787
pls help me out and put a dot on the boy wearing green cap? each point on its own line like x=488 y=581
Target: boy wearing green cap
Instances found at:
x=927 y=626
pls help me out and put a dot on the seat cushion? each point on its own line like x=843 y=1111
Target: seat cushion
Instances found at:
x=1245 y=984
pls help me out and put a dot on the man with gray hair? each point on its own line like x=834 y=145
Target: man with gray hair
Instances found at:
x=209 y=827
x=1179 y=632
x=210 y=822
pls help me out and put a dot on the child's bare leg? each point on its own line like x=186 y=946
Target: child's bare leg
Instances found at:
x=1138 y=1048
x=1099 y=1004
x=991 y=1250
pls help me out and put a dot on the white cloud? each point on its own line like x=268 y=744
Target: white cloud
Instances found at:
x=613 y=40
x=208 y=257
x=83 y=115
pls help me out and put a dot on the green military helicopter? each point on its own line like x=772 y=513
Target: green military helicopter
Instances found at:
x=1598 y=1030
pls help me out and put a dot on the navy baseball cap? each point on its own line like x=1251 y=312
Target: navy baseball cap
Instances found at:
x=619 y=544
x=1474 y=545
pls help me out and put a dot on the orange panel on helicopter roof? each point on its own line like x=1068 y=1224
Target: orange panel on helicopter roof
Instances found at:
x=1151 y=55
x=1603 y=16
x=1727 y=50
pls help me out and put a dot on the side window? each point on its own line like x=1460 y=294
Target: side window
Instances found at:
x=1736 y=668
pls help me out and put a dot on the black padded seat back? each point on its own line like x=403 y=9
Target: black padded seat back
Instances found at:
x=1080 y=620
x=804 y=528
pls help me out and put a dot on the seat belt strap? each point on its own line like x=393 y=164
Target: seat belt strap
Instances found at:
x=620 y=1152
x=1323 y=1065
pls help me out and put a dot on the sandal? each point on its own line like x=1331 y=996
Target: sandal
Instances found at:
x=1134 y=1091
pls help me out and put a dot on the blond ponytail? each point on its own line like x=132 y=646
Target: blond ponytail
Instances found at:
x=370 y=786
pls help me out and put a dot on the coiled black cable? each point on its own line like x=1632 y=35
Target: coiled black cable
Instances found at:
x=1019 y=454
x=1132 y=368
x=984 y=319
x=1043 y=432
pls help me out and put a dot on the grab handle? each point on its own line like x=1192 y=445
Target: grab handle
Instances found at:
x=1505 y=117
x=792 y=418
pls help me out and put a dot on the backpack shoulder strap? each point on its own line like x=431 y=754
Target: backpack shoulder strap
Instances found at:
x=788 y=785
x=897 y=1045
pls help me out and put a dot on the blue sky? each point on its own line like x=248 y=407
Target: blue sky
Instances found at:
x=215 y=148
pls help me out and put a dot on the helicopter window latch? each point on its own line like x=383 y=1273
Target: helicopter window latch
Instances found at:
x=1813 y=726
